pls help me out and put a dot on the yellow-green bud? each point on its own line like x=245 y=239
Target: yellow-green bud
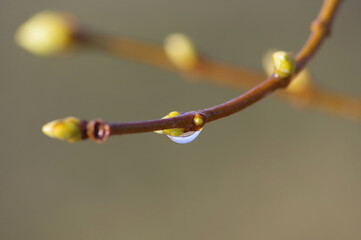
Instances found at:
x=198 y=120
x=66 y=129
x=299 y=83
x=181 y=51
x=174 y=132
x=284 y=64
x=45 y=33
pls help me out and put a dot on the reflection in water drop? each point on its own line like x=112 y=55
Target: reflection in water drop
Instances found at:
x=185 y=137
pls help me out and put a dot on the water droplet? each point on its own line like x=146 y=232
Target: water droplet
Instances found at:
x=185 y=137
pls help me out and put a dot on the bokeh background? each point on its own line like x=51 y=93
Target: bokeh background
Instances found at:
x=269 y=172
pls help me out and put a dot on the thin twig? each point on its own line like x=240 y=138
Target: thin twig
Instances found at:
x=99 y=130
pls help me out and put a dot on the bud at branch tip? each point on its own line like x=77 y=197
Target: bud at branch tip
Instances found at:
x=66 y=129
x=46 y=33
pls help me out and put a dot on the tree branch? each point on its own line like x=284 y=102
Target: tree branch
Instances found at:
x=99 y=130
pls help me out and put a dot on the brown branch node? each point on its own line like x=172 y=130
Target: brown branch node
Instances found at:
x=98 y=130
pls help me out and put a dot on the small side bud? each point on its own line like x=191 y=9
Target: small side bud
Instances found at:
x=181 y=51
x=66 y=129
x=299 y=84
x=284 y=64
x=198 y=120
x=174 y=132
x=45 y=33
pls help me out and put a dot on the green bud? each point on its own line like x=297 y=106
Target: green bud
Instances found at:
x=66 y=129
x=284 y=64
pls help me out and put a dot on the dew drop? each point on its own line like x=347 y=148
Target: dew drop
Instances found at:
x=185 y=137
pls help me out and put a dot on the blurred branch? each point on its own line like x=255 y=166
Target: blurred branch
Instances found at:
x=206 y=69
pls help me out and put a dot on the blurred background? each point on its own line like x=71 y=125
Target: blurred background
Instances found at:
x=270 y=172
